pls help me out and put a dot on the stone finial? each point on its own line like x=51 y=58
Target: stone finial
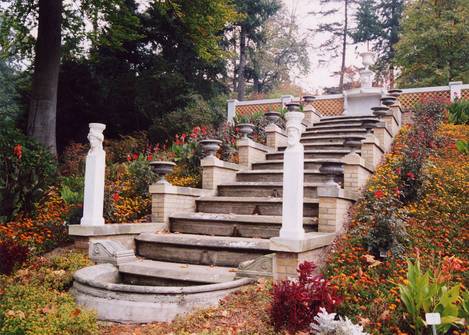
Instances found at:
x=94 y=178
x=96 y=137
x=366 y=75
x=294 y=124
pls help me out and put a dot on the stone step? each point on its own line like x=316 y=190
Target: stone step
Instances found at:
x=157 y=273
x=234 y=225
x=310 y=176
x=200 y=249
x=251 y=205
x=262 y=189
x=345 y=120
x=341 y=131
x=313 y=153
x=335 y=126
x=314 y=138
x=309 y=164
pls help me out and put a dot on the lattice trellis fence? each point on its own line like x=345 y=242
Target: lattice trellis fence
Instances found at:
x=408 y=100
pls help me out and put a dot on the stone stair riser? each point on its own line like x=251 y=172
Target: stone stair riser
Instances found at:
x=259 y=208
x=260 y=191
x=229 y=228
x=279 y=166
x=200 y=255
x=278 y=177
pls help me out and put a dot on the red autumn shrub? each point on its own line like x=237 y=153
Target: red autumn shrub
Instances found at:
x=11 y=254
x=295 y=303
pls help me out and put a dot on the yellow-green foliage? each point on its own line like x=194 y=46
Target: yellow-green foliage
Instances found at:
x=34 y=300
x=31 y=309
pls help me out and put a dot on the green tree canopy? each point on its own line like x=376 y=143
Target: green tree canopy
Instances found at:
x=434 y=45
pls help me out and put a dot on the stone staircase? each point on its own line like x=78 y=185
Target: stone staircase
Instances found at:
x=235 y=224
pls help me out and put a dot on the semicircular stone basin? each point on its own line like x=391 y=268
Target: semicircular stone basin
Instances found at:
x=118 y=296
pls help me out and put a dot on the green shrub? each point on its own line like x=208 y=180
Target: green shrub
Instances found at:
x=26 y=169
x=424 y=293
x=458 y=112
x=71 y=189
x=29 y=309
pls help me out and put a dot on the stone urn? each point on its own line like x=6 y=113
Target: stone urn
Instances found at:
x=388 y=100
x=308 y=99
x=272 y=116
x=162 y=168
x=369 y=126
x=395 y=92
x=354 y=142
x=245 y=129
x=210 y=146
x=367 y=59
x=293 y=107
x=332 y=169
x=380 y=110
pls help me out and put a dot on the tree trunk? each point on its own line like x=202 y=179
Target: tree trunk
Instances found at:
x=43 y=107
x=344 y=48
x=242 y=64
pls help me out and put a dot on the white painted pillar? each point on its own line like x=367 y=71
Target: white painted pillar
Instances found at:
x=455 y=90
x=94 y=178
x=293 y=177
x=231 y=109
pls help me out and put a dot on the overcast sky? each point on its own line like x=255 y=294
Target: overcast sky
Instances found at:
x=321 y=67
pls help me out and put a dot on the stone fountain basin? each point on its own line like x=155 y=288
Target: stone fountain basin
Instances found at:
x=100 y=287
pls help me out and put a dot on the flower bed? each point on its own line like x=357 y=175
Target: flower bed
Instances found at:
x=434 y=228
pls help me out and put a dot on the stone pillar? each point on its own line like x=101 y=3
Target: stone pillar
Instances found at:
x=167 y=200
x=216 y=171
x=455 y=90
x=371 y=151
x=275 y=136
x=231 y=109
x=391 y=123
x=251 y=152
x=293 y=177
x=311 y=114
x=94 y=178
x=384 y=136
x=356 y=174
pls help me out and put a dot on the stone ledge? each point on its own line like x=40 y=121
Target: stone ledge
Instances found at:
x=115 y=229
x=312 y=241
x=335 y=192
x=215 y=162
x=250 y=143
x=355 y=159
x=164 y=188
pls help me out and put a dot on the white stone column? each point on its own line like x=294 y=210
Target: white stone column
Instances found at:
x=455 y=90
x=94 y=178
x=231 y=109
x=293 y=177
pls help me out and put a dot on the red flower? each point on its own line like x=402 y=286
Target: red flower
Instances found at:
x=379 y=194
x=18 y=151
x=150 y=158
x=411 y=175
x=115 y=197
x=129 y=158
x=183 y=136
x=135 y=156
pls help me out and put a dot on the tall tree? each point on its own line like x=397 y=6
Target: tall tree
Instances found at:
x=253 y=15
x=201 y=21
x=282 y=52
x=338 y=31
x=42 y=111
x=378 y=21
x=434 y=45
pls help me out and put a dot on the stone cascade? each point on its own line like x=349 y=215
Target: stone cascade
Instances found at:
x=223 y=236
